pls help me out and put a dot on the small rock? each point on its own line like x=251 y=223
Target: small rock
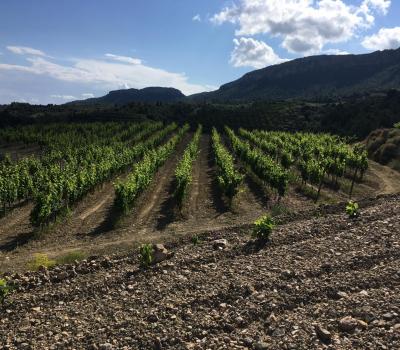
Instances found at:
x=261 y=346
x=362 y=324
x=388 y=316
x=106 y=346
x=348 y=324
x=396 y=327
x=248 y=341
x=152 y=318
x=342 y=294
x=220 y=244
x=323 y=334
x=160 y=253
x=62 y=276
x=228 y=328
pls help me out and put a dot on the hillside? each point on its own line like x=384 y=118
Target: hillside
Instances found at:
x=321 y=280
x=315 y=77
x=383 y=146
x=148 y=95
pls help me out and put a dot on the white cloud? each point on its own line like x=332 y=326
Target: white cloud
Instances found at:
x=123 y=59
x=196 y=18
x=304 y=26
x=64 y=97
x=87 y=95
x=335 y=52
x=105 y=75
x=23 y=50
x=386 y=38
x=380 y=5
x=249 y=52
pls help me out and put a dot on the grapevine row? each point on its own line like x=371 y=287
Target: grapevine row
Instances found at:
x=229 y=179
x=183 y=171
x=128 y=191
x=265 y=167
x=65 y=184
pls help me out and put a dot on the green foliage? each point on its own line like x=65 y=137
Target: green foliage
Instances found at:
x=397 y=125
x=229 y=179
x=183 y=171
x=195 y=239
x=263 y=165
x=263 y=227
x=315 y=156
x=352 y=209
x=75 y=158
x=70 y=257
x=146 y=255
x=5 y=290
x=140 y=178
x=39 y=260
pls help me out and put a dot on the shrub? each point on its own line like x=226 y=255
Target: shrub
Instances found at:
x=146 y=255
x=195 y=239
x=352 y=209
x=40 y=259
x=397 y=125
x=263 y=227
x=5 y=289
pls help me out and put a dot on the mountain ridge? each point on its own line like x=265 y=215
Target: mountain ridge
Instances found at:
x=313 y=77
x=124 y=96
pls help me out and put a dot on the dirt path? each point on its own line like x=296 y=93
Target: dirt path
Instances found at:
x=389 y=179
x=94 y=208
x=204 y=200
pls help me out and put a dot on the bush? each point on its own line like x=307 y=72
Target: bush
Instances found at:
x=352 y=209
x=5 y=289
x=40 y=260
x=146 y=255
x=397 y=125
x=263 y=227
x=195 y=239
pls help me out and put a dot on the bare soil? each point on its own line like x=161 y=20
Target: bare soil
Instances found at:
x=295 y=292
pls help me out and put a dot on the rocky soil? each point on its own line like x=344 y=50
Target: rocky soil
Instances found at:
x=322 y=282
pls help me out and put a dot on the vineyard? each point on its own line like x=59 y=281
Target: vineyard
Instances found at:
x=94 y=185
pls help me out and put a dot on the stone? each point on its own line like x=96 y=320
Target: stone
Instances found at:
x=387 y=316
x=220 y=244
x=152 y=318
x=348 y=324
x=260 y=346
x=62 y=276
x=323 y=334
x=160 y=253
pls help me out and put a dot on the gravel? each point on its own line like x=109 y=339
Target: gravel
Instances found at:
x=322 y=282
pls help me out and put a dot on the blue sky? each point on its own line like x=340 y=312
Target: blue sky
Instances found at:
x=56 y=51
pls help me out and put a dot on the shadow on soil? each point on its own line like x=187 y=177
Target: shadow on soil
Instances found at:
x=17 y=241
x=110 y=221
x=168 y=211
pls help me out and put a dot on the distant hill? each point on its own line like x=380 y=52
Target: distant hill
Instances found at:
x=148 y=95
x=313 y=77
